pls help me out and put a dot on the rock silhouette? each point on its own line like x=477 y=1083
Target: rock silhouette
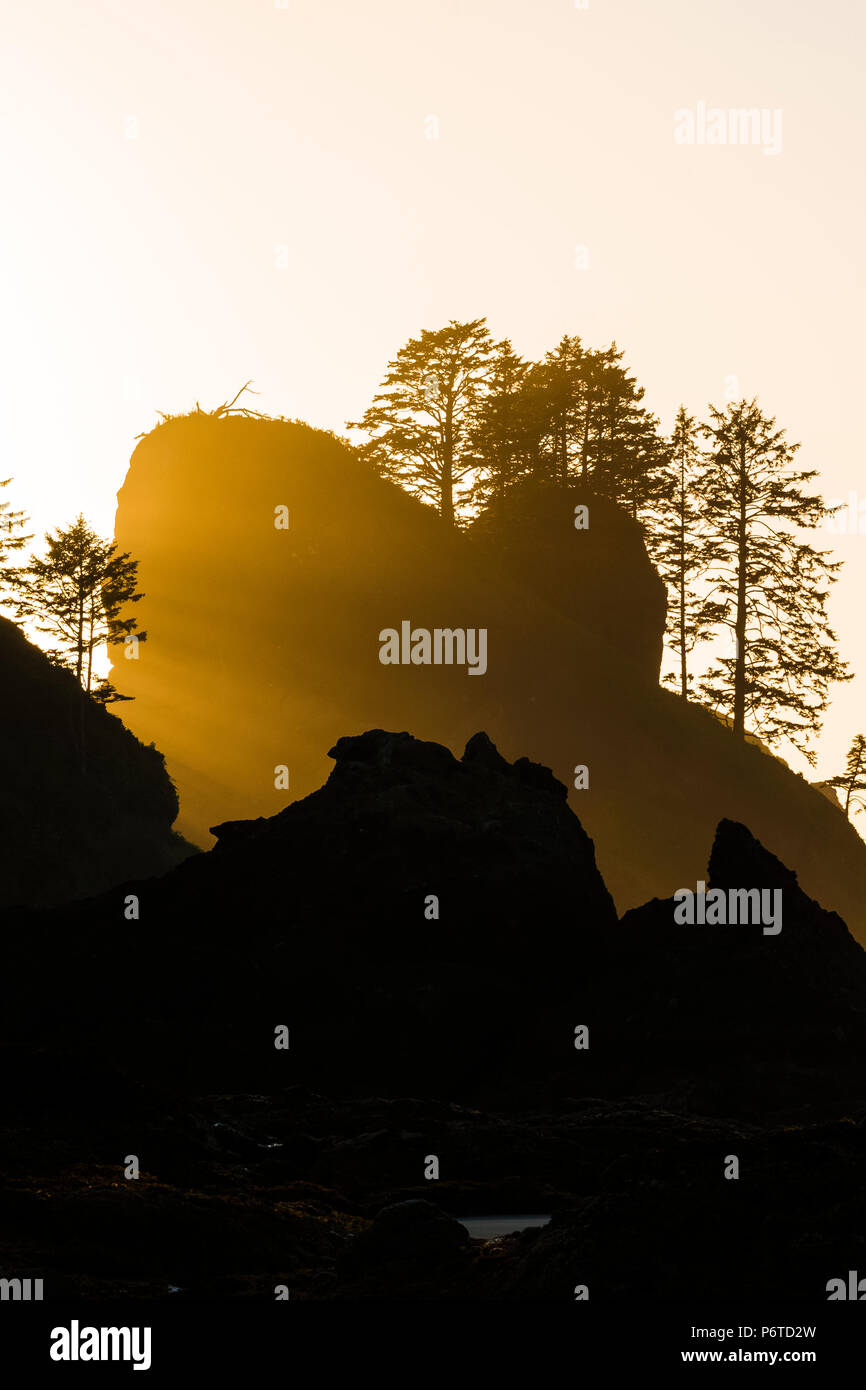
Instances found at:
x=84 y=804
x=265 y=640
x=413 y=1035
x=414 y=1233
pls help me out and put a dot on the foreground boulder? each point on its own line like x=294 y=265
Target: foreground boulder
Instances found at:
x=408 y=1233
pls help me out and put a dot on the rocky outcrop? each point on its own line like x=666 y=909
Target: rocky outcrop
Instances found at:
x=417 y=923
x=582 y=558
x=264 y=640
x=83 y=803
x=405 y=1240
x=748 y=1017
x=433 y=925
x=468 y=851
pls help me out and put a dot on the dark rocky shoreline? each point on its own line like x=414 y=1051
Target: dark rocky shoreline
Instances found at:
x=413 y=1037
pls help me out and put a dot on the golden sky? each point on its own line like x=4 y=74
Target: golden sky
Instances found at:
x=197 y=192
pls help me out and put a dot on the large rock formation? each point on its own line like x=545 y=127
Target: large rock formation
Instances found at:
x=417 y=923
x=263 y=641
x=83 y=803
x=599 y=581
x=437 y=926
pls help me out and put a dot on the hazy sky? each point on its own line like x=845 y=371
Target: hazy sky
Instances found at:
x=197 y=192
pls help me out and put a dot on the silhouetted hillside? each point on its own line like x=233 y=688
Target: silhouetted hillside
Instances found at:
x=262 y=641
x=73 y=825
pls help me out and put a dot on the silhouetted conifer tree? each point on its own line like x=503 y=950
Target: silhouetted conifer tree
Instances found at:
x=853 y=780
x=683 y=550
x=576 y=415
x=12 y=538
x=421 y=424
x=773 y=585
x=556 y=403
x=75 y=594
x=627 y=457
x=503 y=442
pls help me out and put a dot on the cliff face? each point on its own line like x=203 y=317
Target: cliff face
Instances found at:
x=581 y=557
x=83 y=804
x=264 y=640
